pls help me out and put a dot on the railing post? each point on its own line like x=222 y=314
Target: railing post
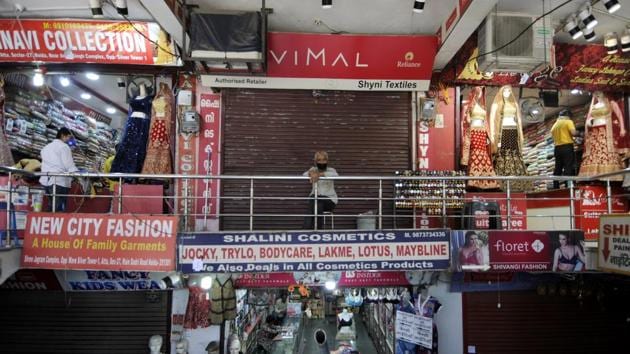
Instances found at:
x=120 y=195
x=315 y=208
x=571 y=205
x=54 y=197
x=508 y=204
x=185 y=203
x=380 y=204
x=444 y=204
x=251 y=204
x=608 y=196
x=9 y=199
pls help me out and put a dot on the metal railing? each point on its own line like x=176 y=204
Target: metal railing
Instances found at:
x=382 y=201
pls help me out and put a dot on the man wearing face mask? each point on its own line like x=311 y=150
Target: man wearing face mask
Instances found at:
x=57 y=157
x=326 y=195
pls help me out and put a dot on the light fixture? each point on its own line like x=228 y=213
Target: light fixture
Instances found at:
x=64 y=81
x=330 y=284
x=575 y=92
x=121 y=7
x=418 y=6
x=625 y=41
x=206 y=282
x=120 y=82
x=92 y=76
x=86 y=96
x=326 y=4
x=38 y=78
x=589 y=34
x=97 y=8
x=172 y=281
x=610 y=42
x=586 y=15
x=572 y=28
x=110 y=110
x=612 y=5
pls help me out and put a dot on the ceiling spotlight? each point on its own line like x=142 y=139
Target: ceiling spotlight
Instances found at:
x=326 y=4
x=586 y=15
x=330 y=285
x=121 y=7
x=86 y=96
x=572 y=28
x=612 y=5
x=206 y=282
x=576 y=92
x=92 y=76
x=418 y=6
x=97 y=8
x=38 y=78
x=589 y=34
x=110 y=110
x=64 y=81
x=610 y=42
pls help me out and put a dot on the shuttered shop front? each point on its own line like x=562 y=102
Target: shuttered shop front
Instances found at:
x=276 y=132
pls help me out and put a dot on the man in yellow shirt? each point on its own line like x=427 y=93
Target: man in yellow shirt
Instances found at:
x=563 y=132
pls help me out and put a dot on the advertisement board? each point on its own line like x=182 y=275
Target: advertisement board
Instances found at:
x=614 y=243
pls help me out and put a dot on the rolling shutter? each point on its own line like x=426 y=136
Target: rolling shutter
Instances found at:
x=276 y=132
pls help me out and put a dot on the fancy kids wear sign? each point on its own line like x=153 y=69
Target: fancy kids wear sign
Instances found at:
x=91 y=280
x=313 y=251
x=614 y=243
x=88 y=241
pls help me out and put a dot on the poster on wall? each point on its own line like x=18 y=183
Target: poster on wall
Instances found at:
x=384 y=250
x=85 y=41
x=518 y=209
x=614 y=244
x=99 y=242
x=592 y=203
x=518 y=251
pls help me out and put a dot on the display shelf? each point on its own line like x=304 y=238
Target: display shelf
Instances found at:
x=429 y=194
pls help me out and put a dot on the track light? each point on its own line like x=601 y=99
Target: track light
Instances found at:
x=610 y=42
x=121 y=7
x=326 y=4
x=612 y=5
x=418 y=6
x=572 y=28
x=97 y=8
x=586 y=15
x=172 y=281
x=38 y=78
x=625 y=41
x=589 y=34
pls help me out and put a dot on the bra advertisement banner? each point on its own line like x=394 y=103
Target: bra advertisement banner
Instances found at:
x=518 y=251
x=342 y=279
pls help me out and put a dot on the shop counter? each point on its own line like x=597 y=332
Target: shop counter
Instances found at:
x=288 y=341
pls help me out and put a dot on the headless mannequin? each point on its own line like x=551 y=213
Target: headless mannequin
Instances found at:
x=345 y=319
x=155 y=344
x=181 y=347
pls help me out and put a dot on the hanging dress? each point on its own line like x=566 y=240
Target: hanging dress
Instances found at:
x=133 y=146
x=158 y=157
x=509 y=160
x=6 y=158
x=479 y=161
x=600 y=155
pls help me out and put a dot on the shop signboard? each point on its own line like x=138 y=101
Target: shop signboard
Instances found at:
x=343 y=279
x=414 y=329
x=299 y=251
x=84 y=41
x=99 y=242
x=518 y=251
x=518 y=206
x=592 y=203
x=103 y=280
x=614 y=244
x=341 y=62
x=436 y=134
x=31 y=280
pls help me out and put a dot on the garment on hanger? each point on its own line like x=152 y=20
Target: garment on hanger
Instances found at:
x=133 y=146
x=197 y=309
x=223 y=305
x=6 y=157
x=158 y=156
x=354 y=298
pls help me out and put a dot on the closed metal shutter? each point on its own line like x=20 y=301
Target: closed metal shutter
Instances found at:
x=530 y=323
x=276 y=132
x=82 y=322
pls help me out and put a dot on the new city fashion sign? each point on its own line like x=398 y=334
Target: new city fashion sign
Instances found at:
x=83 y=41
x=614 y=243
x=341 y=62
x=99 y=242
x=296 y=251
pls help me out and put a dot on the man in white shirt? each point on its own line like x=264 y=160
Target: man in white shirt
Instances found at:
x=57 y=157
x=326 y=195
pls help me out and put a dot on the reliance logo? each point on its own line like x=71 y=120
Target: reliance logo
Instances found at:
x=408 y=63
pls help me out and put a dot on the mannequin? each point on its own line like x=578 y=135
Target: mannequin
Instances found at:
x=213 y=347
x=155 y=344
x=234 y=344
x=158 y=156
x=181 y=347
x=506 y=136
x=600 y=155
x=344 y=319
x=475 y=140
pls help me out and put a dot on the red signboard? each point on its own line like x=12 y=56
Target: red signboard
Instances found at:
x=523 y=249
x=450 y=20
x=342 y=279
x=436 y=137
x=592 y=203
x=208 y=154
x=32 y=279
x=81 y=41
x=463 y=5
x=340 y=56
x=518 y=206
x=99 y=242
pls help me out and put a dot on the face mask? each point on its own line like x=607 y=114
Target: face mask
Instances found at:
x=322 y=166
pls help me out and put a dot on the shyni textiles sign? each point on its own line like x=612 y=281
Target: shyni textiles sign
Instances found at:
x=519 y=251
x=97 y=242
x=341 y=62
x=614 y=243
x=84 y=41
x=314 y=251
